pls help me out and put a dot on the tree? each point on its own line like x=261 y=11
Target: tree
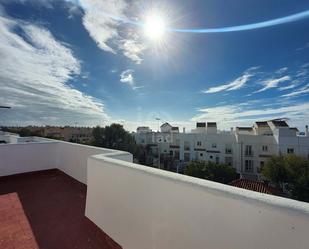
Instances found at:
x=276 y=171
x=291 y=172
x=211 y=171
x=114 y=137
x=24 y=132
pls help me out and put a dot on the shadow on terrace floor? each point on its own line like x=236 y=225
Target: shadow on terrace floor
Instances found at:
x=54 y=204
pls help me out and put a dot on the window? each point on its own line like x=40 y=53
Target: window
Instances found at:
x=187 y=157
x=290 y=150
x=248 y=150
x=187 y=145
x=217 y=160
x=176 y=155
x=171 y=153
x=199 y=143
x=229 y=161
x=201 y=154
x=177 y=141
x=228 y=149
x=265 y=148
x=249 y=166
x=211 y=157
x=214 y=145
x=258 y=169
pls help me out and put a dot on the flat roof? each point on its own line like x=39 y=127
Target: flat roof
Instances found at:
x=262 y=123
x=279 y=123
x=211 y=124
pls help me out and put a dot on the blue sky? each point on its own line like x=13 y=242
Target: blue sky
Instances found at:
x=75 y=62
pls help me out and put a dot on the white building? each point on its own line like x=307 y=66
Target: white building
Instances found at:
x=245 y=148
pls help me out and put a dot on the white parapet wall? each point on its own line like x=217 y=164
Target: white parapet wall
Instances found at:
x=48 y=154
x=144 y=208
x=26 y=157
x=72 y=158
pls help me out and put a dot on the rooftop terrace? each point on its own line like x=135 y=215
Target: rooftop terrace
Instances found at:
x=52 y=205
x=137 y=207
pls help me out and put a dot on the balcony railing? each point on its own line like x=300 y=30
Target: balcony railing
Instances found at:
x=228 y=151
x=249 y=153
x=142 y=207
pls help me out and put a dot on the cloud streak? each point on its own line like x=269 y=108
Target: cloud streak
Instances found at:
x=300 y=91
x=273 y=83
x=233 y=85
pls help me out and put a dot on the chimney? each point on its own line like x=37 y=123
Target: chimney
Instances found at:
x=306 y=133
x=184 y=130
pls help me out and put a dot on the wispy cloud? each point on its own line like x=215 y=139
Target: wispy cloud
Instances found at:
x=303 y=47
x=35 y=69
x=273 y=83
x=235 y=84
x=282 y=70
x=288 y=87
x=127 y=77
x=297 y=92
x=106 y=32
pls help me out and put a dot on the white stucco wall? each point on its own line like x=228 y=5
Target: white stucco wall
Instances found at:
x=72 y=159
x=27 y=157
x=69 y=157
x=144 y=208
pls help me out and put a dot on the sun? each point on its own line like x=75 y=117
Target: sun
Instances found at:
x=154 y=27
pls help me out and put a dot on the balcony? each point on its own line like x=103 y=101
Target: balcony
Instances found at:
x=249 y=153
x=228 y=151
x=87 y=197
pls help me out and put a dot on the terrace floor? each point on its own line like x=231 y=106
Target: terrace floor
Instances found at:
x=53 y=204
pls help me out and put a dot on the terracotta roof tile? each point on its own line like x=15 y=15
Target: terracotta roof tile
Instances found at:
x=255 y=186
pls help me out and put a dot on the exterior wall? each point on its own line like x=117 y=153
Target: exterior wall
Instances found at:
x=27 y=157
x=9 y=138
x=299 y=144
x=258 y=155
x=72 y=158
x=166 y=128
x=66 y=133
x=68 y=157
x=143 y=207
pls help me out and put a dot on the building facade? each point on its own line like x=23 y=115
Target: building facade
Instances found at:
x=244 y=148
x=65 y=133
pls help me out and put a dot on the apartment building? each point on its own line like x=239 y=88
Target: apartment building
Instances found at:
x=245 y=148
x=65 y=133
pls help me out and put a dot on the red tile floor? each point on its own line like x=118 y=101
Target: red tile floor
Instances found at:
x=46 y=210
x=15 y=231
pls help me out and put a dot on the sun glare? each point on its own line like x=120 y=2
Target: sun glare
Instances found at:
x=154 y=27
